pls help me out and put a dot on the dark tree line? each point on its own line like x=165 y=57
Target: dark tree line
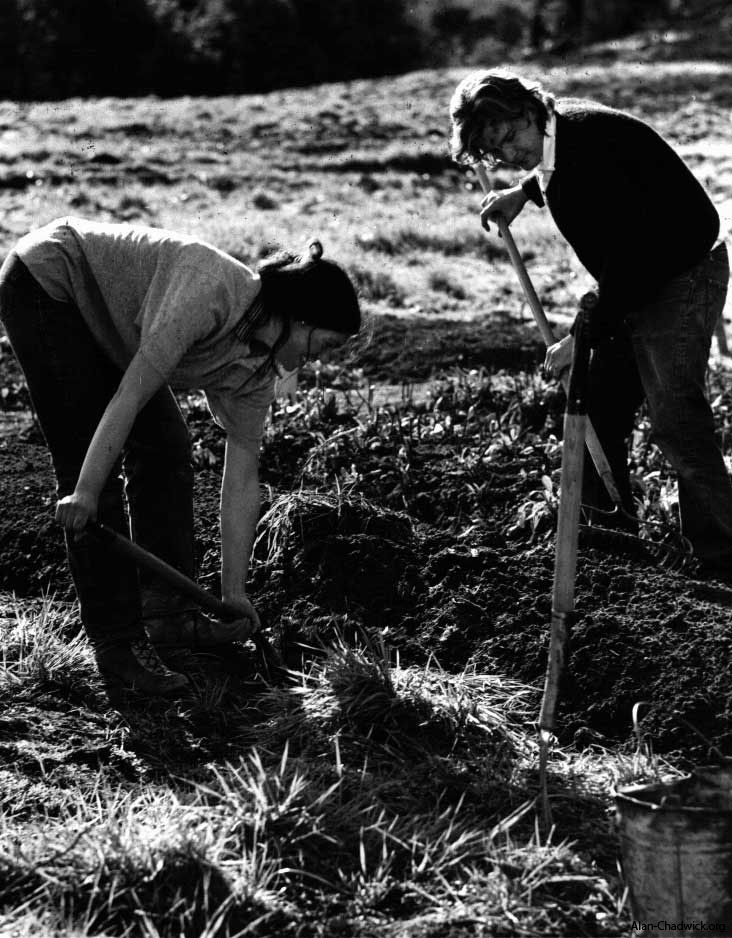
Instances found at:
x=591 y=20
x=53 y=49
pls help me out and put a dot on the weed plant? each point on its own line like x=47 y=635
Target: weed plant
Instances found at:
x=460 y=438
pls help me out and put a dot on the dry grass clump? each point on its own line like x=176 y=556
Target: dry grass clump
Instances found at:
x=357 y=698
x=442 y=282
x=398 y=241
x=305 y=517
x=139 y=856
x=41 y=647
x=378 y=286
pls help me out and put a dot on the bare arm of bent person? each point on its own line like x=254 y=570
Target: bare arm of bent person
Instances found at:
x=240 y=504
x=137 y=386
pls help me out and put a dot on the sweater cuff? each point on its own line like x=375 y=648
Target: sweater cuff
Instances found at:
x=532 y=191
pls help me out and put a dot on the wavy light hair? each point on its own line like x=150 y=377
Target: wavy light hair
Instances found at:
x=486 y=97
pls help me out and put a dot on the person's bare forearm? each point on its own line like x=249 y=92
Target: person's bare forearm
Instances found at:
x=239 y=516
x=107 y=443
x=240 y=506
x=138 y=384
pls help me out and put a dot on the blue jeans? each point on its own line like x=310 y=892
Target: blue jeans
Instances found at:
x=71 y=381
x=663 y=359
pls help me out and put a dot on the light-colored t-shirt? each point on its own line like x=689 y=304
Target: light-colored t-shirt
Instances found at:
x=175 y=299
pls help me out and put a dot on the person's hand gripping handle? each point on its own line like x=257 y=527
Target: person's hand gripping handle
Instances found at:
x=559 y=355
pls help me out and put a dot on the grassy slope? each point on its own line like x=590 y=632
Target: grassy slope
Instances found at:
x=372 y=802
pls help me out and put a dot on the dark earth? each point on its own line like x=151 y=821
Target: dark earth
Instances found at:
x=426 y=541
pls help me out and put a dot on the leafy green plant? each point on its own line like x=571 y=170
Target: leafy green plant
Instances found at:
x=538 y=514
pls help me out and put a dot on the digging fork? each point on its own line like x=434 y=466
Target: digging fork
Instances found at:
x=565 y=555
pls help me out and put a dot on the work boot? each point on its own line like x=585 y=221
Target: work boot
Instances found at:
x=135 y=665
x=191 y=629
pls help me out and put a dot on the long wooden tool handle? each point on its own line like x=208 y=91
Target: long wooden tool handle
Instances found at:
x=528 y=287
x=143 y=558
x=570 y=499
x=597 y=454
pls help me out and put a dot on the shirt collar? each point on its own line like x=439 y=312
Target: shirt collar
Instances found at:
x=545 y=169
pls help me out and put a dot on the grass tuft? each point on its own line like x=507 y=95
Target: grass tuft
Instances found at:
x=40 y=646
x=397 y=241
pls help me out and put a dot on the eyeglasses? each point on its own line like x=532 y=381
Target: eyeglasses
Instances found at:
x=497 y=152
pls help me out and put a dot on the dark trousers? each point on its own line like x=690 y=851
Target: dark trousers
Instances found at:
x=662 y=358
x=71 y=380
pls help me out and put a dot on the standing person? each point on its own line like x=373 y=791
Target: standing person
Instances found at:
x=645 y=229
x=105 y=319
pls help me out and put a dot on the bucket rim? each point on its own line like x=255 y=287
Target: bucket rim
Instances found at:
x=631 y=795
x=670 y=808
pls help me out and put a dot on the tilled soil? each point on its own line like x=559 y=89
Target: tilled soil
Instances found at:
x=641 y=632
x=430 y=564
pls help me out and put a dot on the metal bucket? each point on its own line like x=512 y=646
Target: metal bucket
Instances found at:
x=676 y=844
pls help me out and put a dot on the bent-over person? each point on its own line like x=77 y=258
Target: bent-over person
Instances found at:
x=105 y=320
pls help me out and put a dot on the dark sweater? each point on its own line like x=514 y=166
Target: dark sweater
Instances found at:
x=627 y=204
